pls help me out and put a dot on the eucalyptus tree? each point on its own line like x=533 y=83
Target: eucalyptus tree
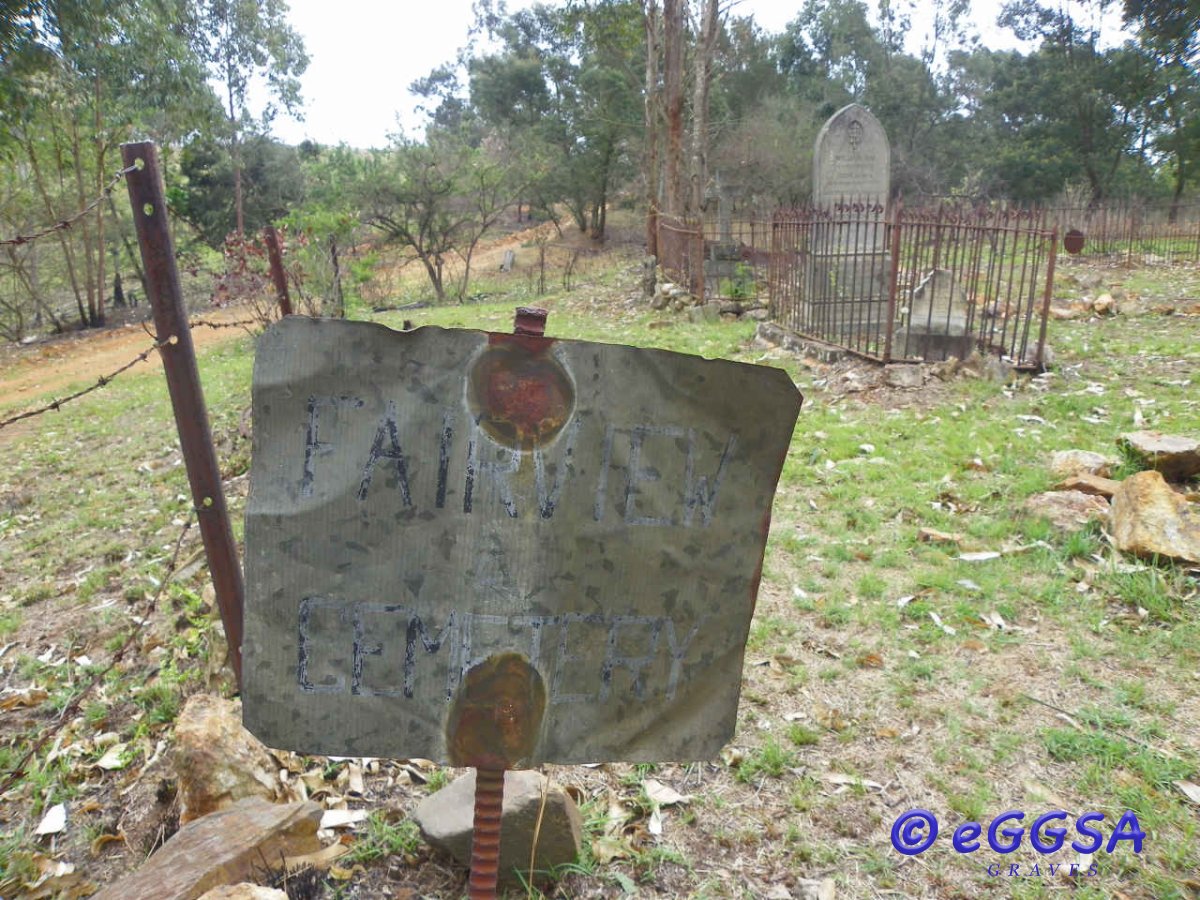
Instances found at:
x=242 y=41
x=1169 y=38
x=78 y=77
x=563 y=94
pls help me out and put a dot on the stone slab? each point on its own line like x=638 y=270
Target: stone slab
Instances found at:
x=226 y=847
x=1176 y=456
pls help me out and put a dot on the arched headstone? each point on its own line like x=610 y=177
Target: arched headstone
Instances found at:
x=852 y=159
x=848 y=263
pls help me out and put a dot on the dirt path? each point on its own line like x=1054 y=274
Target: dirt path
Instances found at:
x=28 y=374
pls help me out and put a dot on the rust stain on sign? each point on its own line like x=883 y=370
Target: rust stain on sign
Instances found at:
x=494 y=719
x=446 y=526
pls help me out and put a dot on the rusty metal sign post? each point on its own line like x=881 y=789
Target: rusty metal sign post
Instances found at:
x=494 y=722
x=498 y=550
x=148 y=199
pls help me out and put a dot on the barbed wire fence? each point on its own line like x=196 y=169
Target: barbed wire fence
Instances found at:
x=64 y=224
x=170 y=337
x=105 y=380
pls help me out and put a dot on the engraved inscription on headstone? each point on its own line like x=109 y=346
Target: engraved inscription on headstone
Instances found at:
x=851 y=159
x=849 y=264
x=423 y=501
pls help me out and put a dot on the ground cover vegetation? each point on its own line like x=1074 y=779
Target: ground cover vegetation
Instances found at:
x=883 y=672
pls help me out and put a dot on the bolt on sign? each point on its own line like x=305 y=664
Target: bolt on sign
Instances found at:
x=589 y=516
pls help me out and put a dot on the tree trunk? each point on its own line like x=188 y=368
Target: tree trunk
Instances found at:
x=673 y=80
x=235 y=153
x=85 y=231
x=100 y=280
x=600 y=209
x=1180 y=181
x=237 y=192
x=706 y=43
x=132 y=256
x=652 y=120
x=64 y=242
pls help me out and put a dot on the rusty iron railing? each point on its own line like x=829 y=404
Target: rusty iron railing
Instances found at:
x=1132 y=233
x=914 y=285
x=737 y=254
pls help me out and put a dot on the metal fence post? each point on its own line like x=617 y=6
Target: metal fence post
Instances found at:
x=1039 y=359
x=148 y=199
x=278 y=275
x=893 y=281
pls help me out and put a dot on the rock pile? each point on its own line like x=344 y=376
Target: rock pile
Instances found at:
x=669 y=296
x=1148 y=516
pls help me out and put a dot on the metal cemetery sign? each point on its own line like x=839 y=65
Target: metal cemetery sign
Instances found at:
x=421 y=502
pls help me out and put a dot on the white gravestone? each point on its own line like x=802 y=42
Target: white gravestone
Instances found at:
x=849 y=262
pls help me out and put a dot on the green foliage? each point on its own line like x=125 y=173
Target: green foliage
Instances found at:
x=380 y=837
x=272 y=184
x=1069 y=745
x=562 y=97
x=436 y=200
x=772 y=759
x=160 y=702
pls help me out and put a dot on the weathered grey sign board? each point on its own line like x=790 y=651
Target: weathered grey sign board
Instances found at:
x=423 y=500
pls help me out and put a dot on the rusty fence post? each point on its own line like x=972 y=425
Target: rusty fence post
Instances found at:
x=893 y=279
x=148 y=199
x=1039 y=358
x=278 y=275
x=485 y=834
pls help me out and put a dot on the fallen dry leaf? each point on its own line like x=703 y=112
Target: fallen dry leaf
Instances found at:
x=354 y=780
x=993 y=619
x=54 y=821
x=113 y=758
x=933 y=536
x=655 y=825
x=733 y=756
x=104 y=840
x=831 y=718
x=662 y=794
x=1189 y=790
x=29 y=697
x=937 y=620
x=321 y=859
x=606 y=849
x=979 y=556
x=343 y=818
x=846 y=780
x=339 y=873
